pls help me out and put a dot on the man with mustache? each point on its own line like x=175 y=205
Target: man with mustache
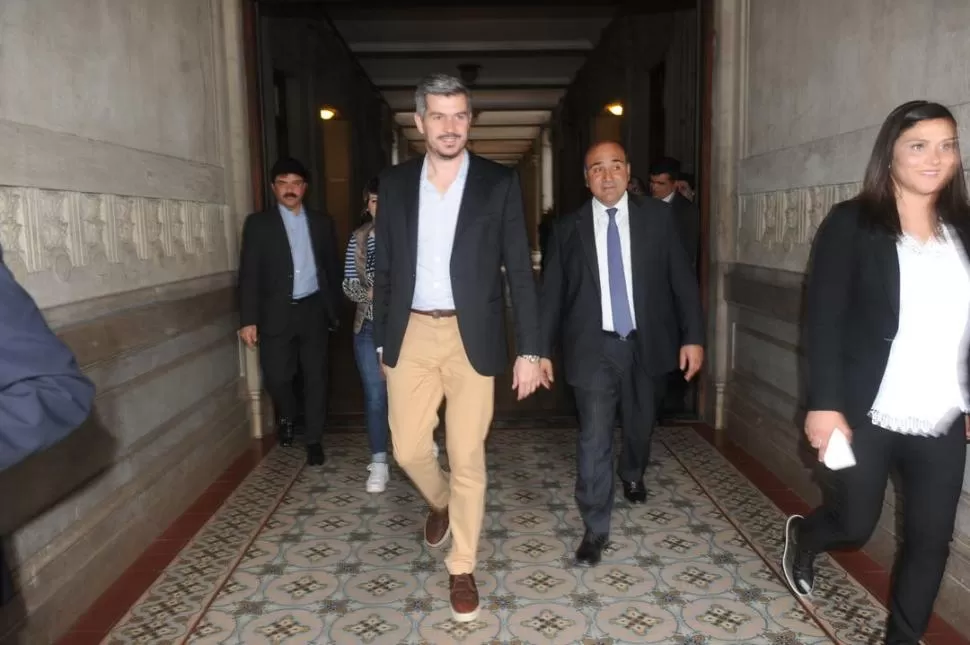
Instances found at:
x=619 y=287
x=450 y=221
x=289 y=296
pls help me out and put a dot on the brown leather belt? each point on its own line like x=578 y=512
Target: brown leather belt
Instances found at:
x=436 y=313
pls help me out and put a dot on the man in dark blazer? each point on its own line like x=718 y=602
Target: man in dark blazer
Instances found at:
x=449 y=222
x=619 y=292
x=289 y=295
x=665 y=175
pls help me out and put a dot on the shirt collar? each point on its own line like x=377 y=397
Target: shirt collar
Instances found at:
x=670 y=198
x=621 y=206
x=462 y=171
x=284 y=211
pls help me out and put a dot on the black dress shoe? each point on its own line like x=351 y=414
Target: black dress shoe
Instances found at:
x=284 y=429
x=314 y=454
x=635 y=492
x=590 y=550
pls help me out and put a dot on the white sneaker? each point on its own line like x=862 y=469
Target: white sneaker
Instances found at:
x=435 y=449
x=377 y=480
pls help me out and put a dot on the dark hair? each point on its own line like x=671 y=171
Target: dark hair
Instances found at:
x=370 y=189
x=288 y=166
x=665 y=166
x=636 y=184
x=878 y=196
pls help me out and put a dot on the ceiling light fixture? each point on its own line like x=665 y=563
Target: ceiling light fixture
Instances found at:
x=616 y=109
x=327 y=113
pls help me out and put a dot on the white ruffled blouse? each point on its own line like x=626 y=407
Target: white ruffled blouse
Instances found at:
x=924 y=387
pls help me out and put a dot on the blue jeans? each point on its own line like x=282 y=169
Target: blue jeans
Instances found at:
x=375 y=389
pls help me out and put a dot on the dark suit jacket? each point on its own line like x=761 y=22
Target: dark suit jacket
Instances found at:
x=266 y=270
x=666 y=299
x=851 y=312
x=43 y=394
x=688 y=222
x=490 y=233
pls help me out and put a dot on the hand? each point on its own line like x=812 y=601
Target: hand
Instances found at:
x=819 y=425
x=526 y=377
x=691 y=360
x=249 y=336
x=546 y=376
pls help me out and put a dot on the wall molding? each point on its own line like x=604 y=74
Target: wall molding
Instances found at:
x=776 y=228
x=66 y=246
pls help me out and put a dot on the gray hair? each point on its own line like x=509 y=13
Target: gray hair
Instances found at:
x=438 y=85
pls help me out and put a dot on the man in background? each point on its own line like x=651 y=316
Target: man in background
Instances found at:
x=665 y=176
x=289 y=297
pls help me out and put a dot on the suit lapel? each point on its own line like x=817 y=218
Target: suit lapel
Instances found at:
x=282 y=240
x=887 y=261
x=413 y=204
x=640 y=240
x=471 y=195
x=587 y=238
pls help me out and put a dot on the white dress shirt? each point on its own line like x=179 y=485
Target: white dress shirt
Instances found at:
x=924 y=387
x=437 y=220
x=600 y=223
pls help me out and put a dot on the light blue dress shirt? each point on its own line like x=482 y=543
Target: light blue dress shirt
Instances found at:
x=437 y=220
x=301 y=248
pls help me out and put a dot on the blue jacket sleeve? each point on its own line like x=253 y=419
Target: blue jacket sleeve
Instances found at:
x=43 y=394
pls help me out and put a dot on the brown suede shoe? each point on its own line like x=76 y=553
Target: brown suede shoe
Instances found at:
x=464 y=598
x=437 y=528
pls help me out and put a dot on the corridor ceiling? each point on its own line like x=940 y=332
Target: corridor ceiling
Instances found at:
x=518 y=58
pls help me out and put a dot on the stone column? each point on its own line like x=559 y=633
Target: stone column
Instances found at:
x=730 y=26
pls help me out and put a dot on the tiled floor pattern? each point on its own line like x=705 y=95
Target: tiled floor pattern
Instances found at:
x=306 y=556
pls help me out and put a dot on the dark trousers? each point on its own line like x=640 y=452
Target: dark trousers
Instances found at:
x=931 y=478
x=303 y=345
x=375 y=388
x=620 y=383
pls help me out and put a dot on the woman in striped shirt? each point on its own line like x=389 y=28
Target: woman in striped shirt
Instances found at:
x=358 y=285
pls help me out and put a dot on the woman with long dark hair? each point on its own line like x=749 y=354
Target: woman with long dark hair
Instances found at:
x=358 y=285
x=886 y=345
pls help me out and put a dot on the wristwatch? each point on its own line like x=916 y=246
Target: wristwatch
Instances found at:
x=532 y=358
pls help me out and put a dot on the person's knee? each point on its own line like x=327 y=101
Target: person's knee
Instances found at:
x=857 y=528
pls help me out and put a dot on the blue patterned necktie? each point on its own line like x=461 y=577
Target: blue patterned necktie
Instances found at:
x=619 y=299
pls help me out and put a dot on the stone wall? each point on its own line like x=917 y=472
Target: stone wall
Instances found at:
x=801 y=88
x=122 y=180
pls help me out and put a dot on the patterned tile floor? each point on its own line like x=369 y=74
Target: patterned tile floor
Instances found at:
x=306 y=556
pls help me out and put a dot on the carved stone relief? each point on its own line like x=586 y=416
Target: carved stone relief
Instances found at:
x=67 y=246
x=776 y=229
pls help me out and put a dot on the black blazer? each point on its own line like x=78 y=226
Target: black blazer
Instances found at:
x=851 y=312
x=266 y=270
x=490 y=233
x=666 y=298
x=687 y=220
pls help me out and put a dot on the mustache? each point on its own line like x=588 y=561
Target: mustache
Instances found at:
x=289 y=194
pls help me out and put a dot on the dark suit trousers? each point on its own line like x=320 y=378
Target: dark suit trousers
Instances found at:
x=619 y=383
x=931 y=480
x=303 y=345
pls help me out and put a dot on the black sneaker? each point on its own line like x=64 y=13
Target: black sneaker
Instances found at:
x=798 y=564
